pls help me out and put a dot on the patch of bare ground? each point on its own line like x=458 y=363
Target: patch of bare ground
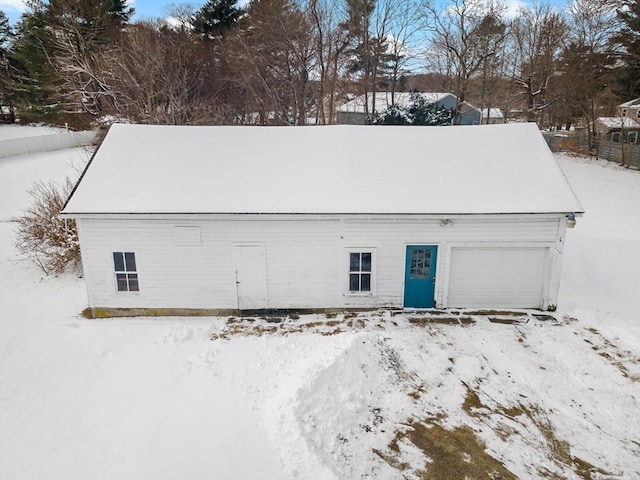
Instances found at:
x=627 y=362
x=508 y=321
x=486 y=313
x=453 y=454
x=331 y=324
x=441 y=320
x=559 y=450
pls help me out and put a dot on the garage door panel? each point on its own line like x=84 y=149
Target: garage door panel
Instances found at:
x=497 y=277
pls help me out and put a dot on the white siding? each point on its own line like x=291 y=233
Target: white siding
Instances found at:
x=305 y=256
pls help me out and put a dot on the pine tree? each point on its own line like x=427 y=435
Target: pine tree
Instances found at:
x=628 y=37
x=216 y=17
x=419 y=112
x=423 y=112
x=28 y=81
x=394 y=115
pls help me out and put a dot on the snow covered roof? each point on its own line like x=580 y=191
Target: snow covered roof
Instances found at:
x=617 y=122
x=333 y=169
x=631 y=103
x=492 y=113
x=383 y=101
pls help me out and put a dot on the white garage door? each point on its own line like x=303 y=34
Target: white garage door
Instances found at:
x=497 y=277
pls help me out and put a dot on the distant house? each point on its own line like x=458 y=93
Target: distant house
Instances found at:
x=469 y=115
x=491 y=116
x=321 y=218
x=618 y=138
x=353 y=111
x=630 y=109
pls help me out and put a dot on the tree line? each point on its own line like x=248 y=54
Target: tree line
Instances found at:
x=292 y=62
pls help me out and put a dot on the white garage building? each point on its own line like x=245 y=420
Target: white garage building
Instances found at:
x=179 y=220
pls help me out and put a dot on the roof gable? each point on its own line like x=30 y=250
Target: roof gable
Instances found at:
x=631 y=103
x=617 y=122
x=332 y=170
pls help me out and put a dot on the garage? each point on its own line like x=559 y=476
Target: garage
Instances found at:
x=510 y=277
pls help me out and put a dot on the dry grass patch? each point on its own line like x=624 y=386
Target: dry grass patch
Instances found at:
x=560 y=450
x=441 y=320
x=508 y=321
x=452 y=454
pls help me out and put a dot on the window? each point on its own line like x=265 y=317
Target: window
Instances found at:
x=632 y=137
x=624 y=112
x=124 y=264
x=360 y=271
x=615 y=137
x=420 y=263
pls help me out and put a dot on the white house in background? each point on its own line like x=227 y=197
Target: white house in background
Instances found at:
x=630 y=109
x=178 y=219
x=353 y=111
x=491 y=116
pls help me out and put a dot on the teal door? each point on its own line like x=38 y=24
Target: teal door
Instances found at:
x=420 y=276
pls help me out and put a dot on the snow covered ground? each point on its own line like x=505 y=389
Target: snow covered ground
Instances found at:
x=364 y=396
x=8 y=132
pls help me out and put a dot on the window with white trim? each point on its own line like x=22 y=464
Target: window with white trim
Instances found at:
x=360 y=271
x=615 y=137
x=124 y=264
x=624 y=112
x=632 y=137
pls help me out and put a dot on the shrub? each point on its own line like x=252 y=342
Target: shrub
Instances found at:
x=44 y=238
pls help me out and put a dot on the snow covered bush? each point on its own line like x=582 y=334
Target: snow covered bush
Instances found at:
x=394 y=115
x=43 y=237
x=419 y=112
x=431 y=114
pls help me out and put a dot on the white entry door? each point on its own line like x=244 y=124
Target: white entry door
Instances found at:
x=251 y=276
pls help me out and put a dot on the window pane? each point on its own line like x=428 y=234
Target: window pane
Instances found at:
x=121 y=279
x=354 y=282
x=130 y=260
x=366 y=282
x=133 y=282
x=354 y=262
x=420 y=262
x=366 y=262
x=118 y=261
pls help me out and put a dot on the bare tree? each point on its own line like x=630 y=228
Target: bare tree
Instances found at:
x=272 y=57
x=79 y=34
x=331 y=42
x=465 y=35
x=397 y=22
x=593 y=24
x=538 y=34
x=163 y=76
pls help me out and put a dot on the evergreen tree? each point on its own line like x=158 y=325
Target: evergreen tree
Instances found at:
x=628 y=81
x=5 y=69
x=5 y=31
x=394 y=115
x=420 y=112
x=423 y=112
x=28 y=80
x=216 y=17
x=120 y=11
